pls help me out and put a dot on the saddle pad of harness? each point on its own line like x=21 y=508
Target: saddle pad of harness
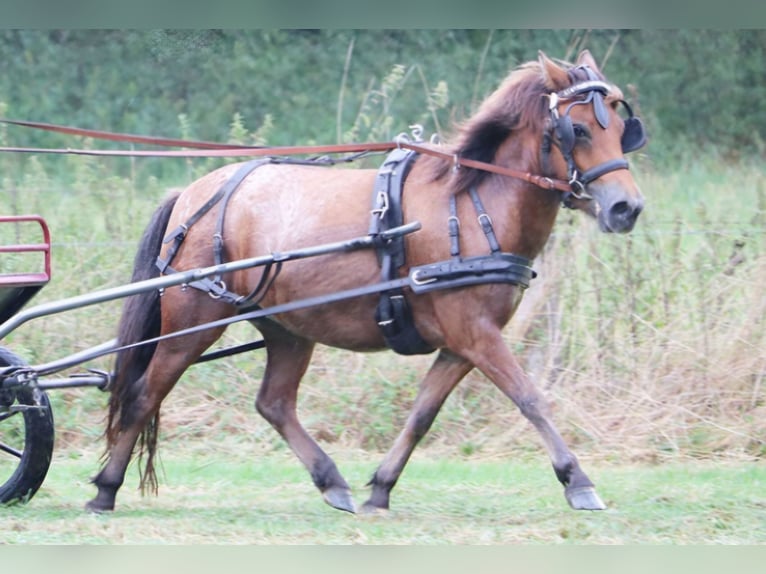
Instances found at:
x=393 y=314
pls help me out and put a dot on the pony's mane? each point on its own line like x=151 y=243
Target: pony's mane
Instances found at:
x=515 y=106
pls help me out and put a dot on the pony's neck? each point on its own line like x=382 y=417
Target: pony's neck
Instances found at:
x=523 y=213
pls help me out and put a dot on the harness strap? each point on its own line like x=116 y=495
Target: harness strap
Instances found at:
x=454 y=229
x=178 y=235
x=512 y=269
x=393 y=313
x=595 y=172
x=387 y=203
x=484 y=220
x=495 y=268
x=215 y=286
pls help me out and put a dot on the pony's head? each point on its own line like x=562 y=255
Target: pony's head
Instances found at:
x=563 y=121
x=589 y=129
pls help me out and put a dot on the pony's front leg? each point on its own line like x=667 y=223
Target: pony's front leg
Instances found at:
x=495 y=360
x=445 y=373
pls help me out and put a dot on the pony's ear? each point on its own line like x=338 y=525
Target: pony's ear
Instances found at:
x=555 y=76
x=586 y=59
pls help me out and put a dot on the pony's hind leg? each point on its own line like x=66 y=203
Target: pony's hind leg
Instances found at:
x=495 y=360
x=287 y=359
x=445 y=373
x=138 y=409
x=109 y=480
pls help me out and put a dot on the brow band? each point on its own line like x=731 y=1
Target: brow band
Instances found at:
x=583 y=87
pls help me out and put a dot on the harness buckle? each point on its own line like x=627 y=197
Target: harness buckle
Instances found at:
x=553 y=104
x=382 y=201
x=417 y=281
x=484 y=219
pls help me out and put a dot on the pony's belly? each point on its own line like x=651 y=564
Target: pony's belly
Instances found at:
x=345 y=325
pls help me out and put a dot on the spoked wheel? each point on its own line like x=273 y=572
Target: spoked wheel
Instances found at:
x=26 y=438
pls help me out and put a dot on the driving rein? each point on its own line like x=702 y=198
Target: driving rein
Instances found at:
x=560 y=132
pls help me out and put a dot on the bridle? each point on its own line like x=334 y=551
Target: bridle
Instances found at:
x=561 y=132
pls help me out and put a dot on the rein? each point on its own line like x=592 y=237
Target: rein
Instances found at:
x=205 y=149
x=588 y=91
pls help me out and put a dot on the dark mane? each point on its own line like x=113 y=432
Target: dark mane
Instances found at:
x=517 y=105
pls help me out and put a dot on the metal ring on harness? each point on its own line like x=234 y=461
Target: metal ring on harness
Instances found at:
x=455 y=162
x=217 y=289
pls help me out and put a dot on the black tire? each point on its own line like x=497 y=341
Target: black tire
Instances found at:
x=26 y=438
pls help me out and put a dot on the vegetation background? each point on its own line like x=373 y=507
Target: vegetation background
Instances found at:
x=651 y=347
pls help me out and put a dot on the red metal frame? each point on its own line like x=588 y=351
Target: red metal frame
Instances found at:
x=20 y=279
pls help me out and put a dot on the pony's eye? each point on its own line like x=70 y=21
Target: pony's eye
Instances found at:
x=580 y=131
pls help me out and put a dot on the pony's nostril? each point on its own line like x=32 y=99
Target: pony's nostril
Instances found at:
x=626 y=210
x=621 y=209
x=622 y=216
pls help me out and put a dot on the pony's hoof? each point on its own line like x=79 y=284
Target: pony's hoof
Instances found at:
x=584 y=498
x=339 y=498
x=95 y=508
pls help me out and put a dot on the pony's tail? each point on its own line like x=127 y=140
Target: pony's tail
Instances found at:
x=140 y=321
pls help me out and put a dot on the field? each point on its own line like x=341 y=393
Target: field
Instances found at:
x=651 y=348
x=241 y=498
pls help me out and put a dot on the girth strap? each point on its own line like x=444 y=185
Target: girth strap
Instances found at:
x=393 y=314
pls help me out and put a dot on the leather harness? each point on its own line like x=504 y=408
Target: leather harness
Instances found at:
x=392 y=314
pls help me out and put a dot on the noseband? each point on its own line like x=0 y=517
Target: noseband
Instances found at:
x=594 y=90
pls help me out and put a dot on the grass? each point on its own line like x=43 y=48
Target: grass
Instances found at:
x=233 y=498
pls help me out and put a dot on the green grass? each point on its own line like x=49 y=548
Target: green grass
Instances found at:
x=222 y=498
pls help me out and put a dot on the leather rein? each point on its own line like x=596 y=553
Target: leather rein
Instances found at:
x=574 y=187
x=210 y=149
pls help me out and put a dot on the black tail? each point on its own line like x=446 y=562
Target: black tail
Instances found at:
x=140 y=320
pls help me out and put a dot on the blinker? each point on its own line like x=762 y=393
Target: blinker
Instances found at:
x=600 y=111
x=634 y=135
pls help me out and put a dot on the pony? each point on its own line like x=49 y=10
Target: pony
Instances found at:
x=559 y=120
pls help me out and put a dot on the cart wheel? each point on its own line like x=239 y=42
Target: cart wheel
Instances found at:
x=26 y=438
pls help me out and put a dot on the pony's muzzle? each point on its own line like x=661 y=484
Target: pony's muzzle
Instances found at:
x=620 y=216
